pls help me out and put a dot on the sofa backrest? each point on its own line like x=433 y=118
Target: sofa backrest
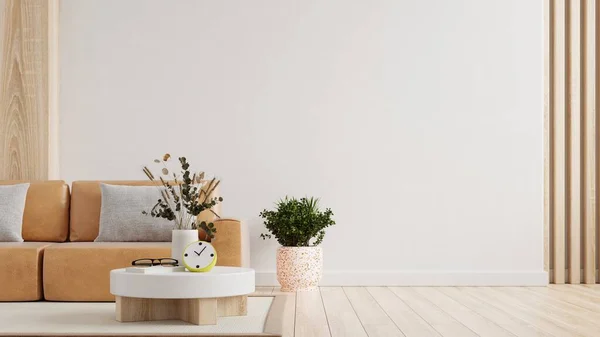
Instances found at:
x=86 y=200
x=46 y=214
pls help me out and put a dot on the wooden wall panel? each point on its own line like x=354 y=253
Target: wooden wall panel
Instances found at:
x=571 y=140
x=547 y=132
x=28 y=86
x=590 y=137
x=574 y=138
x=559 y=147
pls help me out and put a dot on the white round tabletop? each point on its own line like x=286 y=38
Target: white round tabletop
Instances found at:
x=219 y=282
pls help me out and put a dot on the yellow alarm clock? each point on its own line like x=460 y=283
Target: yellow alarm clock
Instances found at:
x=199 y=256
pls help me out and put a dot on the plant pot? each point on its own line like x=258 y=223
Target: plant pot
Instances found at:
x=179 y=240
x=299 y=268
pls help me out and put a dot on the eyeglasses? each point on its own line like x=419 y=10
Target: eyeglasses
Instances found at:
x=165 y=262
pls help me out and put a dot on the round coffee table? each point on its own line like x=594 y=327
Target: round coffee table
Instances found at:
x=196 y=298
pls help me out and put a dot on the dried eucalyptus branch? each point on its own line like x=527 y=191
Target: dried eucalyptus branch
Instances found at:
x=183 y=199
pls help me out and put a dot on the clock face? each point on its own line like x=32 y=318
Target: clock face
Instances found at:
x=199 y=256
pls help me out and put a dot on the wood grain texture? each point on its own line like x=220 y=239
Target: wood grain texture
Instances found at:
x=407 y=320
x=578 y=319
x=374 y=319
x=200 y=311
x=571 y=139
x=342 y=319
x=511 y=323
x=232 y=306
x=310 y=315
x=27 y=81
x=520 y=309
x=554 y=311
x=464 y=315
x=440 y=320
x=559 y=147
x=53 y=85
x=574 y=139
x=590 y=137
x=547 y=132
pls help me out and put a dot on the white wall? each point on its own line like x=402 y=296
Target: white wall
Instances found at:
x=418 y=122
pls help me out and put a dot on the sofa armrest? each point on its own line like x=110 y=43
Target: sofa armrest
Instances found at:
x=231 y=243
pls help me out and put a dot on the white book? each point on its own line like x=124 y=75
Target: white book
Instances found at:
x=155 y=270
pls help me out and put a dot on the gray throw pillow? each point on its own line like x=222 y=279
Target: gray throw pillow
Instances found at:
x=121 y=218
x=12 y=206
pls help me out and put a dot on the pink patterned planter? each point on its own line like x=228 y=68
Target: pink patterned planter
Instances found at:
x=299 y=268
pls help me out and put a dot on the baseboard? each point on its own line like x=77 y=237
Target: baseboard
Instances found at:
x=421 y=278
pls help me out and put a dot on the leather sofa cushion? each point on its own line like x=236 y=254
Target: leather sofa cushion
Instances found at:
x=46 y=214
x=21 y=270
x=86 y=199
x=80 y=271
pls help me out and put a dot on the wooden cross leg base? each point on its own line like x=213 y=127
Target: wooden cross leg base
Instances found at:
x=200 y=311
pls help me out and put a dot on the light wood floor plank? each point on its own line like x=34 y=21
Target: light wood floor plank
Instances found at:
x=554 y=311
x=342 y=318
x=409 y=322
x=439 y=320
x=592 y=287
x=464 y=315
x=375 y=321
x=559 y=317
x=582 y=318
x=289 y=326
x=513 y=324
x=577 y=290
x=535 y=316
x=569 y=297
x=310 y=315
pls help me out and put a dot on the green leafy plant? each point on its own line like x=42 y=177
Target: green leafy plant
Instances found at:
x=184 y=196
x=295 y=222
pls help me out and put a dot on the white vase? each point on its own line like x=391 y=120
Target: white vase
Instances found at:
x=180 y=239
x=299 y=268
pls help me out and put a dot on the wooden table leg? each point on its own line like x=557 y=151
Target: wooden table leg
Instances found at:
x=232 y=306
x=131 y=309
x=200 y=311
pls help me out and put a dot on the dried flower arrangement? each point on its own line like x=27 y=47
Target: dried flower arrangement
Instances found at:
x=183 y=196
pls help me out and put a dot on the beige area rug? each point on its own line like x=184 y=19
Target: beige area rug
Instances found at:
x=98 y=319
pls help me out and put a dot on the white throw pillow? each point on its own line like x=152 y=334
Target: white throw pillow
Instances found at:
x=12 y=206
x=121 y=218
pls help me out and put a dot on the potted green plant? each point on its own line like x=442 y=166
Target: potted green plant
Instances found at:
x=185 y=198
x=299 y=227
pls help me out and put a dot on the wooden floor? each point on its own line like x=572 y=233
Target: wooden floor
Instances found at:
x=557 y=310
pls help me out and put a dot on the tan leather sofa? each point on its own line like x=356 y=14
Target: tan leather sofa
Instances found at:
x=78 y=270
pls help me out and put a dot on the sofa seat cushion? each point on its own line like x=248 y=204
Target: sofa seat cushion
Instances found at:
x=21 y=265
x=80 y=271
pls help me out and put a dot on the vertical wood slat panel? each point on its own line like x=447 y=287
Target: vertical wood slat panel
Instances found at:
x=547 y=131
x=590 y=135
x=559 y=140
x=25 y=87
x=573 y=90
x=571 y=140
